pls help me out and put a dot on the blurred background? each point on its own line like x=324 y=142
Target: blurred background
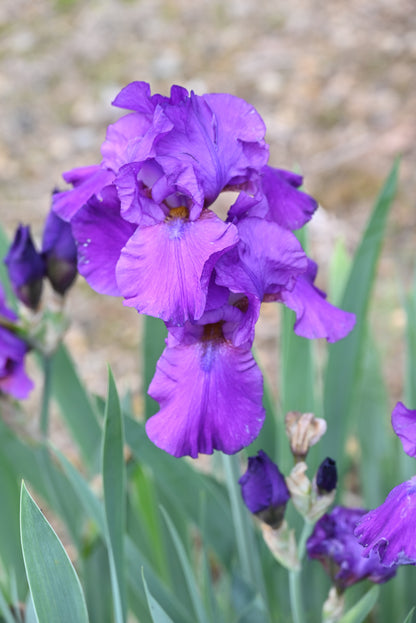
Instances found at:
x=334 y=81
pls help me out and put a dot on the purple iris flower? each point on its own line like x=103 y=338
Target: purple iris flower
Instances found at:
x=26 y=268
x=264 y=489
x=168 y=161
x=59 y=252
x=334 y=545
x=209 y=390
x=388 y=530
x=13 y=378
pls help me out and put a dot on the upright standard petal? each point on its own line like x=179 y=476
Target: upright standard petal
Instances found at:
x=164 y=270
x=86 y=181
x=101 y=233
x=389 y=530
x=221 y=136
x=403 y=421
x=288 y=206
x=266 y=260
x=210 y=396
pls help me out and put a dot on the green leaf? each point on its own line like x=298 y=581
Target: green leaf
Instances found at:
x=154 y=335
x=5 y=610
x=187 y=570
x=54 y=585
x=114 y=497
x=357 y=613
x=156 y=611
x=91 y=504
x=176 y=478
x=168 y=600
x=76 y=407
x=409 y=617
x=344 y=356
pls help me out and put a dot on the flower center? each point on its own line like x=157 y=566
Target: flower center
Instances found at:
x=180 y=212
x=213 y=332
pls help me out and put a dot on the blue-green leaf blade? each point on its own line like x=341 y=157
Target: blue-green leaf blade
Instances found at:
x=114 y=496
x=359 y=611
x=76 y=407
x=54 y=585
x=156 y=611
x=344 y=356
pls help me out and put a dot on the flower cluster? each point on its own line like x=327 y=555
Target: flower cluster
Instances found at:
x=388 y=531
x=57 y=260
x=146 y=227
x=334 y=545
x=13 y=378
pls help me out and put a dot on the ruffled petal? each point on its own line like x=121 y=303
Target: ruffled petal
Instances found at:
x=210 y=397
x=101 y=233
x=289 y=207
x=164 y=270
x=87 y=181
x=403 y=421
x=267 y=259
x=389 y=530
x=315 y=317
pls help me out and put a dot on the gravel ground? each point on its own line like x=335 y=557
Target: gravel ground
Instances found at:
x=335 y=83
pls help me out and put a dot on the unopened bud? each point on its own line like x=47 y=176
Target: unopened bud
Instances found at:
x=326 y=476
x=303 y=430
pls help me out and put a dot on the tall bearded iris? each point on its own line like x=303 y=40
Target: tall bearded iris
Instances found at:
x=146 y=229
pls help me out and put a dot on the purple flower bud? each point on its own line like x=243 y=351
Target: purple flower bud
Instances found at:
x=59 y=252
x=26 y=268
x=264 y=489
x=326 y=476
x=334 y=545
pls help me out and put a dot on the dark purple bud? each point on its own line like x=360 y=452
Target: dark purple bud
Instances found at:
x=59 y=252
x=326 y=476
x=26 y=268
x=264 y=489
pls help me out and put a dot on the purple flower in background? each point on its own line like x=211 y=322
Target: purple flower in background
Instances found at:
x=26 y=268
x=59 y=252
x=403 y=421
x=334 y=545
x=13 y=378
x=388 y=532
x=264 y=489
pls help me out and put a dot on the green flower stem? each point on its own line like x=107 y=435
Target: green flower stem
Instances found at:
x=46 y=395
x=296 y=601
